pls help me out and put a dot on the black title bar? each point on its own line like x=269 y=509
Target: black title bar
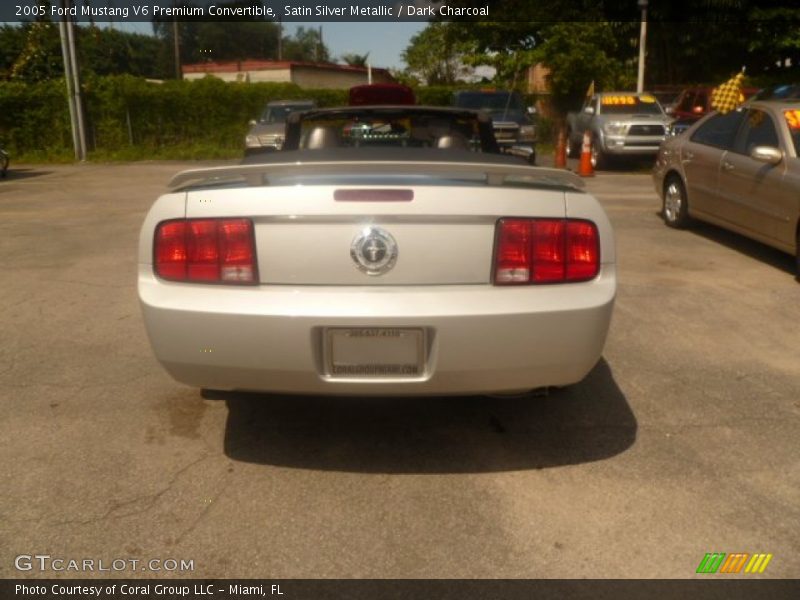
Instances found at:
x=397 y=589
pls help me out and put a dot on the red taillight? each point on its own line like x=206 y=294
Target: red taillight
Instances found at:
x=206 y=251
x=545 y=251
x=548 y=251
x=513 y=251
x=583 y=251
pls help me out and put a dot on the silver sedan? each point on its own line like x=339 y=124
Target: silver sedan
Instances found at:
x=738 y=170
x=430 y=274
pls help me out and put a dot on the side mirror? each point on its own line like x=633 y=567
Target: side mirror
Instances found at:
x=766 y=154
x=670 y=110
x=531 y=110
x=252 y=122
x=589 y=110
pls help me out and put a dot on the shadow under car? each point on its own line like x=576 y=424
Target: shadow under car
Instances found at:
x=586 y=422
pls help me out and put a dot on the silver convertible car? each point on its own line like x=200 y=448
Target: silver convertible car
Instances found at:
x=377 y=271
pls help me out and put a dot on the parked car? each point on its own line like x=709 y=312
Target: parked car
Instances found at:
x=377 y=271
x=693 y=104
x=621 y=124
x=740 y=171
x=783 y=91
x=390 y=126
x=381 y=93
x=667 y=98
x=512 y=121
x=267 y=134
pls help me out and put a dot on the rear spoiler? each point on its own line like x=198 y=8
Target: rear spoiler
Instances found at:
x=495 y=174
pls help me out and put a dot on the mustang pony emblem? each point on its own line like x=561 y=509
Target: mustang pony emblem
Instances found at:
x=373 y=251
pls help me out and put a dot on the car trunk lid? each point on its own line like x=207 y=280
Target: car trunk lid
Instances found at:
x=332 y=233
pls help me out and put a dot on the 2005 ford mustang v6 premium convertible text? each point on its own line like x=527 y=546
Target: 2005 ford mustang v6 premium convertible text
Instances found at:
x=377 y=271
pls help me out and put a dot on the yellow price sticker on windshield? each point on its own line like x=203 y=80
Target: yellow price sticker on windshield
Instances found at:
x=647 y=99
x=618 y=100
x=792 y=118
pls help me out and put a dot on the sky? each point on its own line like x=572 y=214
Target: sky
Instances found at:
x=385 y=41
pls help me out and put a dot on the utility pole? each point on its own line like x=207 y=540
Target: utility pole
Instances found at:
x=280 y=39
x=177 y=48
x=642 y=45
x=72 y=78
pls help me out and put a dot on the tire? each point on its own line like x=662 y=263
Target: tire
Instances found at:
x=573 y=151
x=675 y=205
x=599 y=158
x=532 y=159
x=797 y=256
x=3 y=163
x=210 y=394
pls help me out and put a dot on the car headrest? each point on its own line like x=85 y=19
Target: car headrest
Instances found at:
x=452 y=141
x=320 y=138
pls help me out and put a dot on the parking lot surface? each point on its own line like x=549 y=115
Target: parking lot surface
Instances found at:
x=682 y=441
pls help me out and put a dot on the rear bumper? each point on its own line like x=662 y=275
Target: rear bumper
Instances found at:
x=621 y=146
x=480 y=339
x=253 y=150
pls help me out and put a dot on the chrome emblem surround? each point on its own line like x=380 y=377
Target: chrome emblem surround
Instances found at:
x=374 y=251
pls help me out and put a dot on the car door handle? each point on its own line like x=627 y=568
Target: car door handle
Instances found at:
x=727 y=166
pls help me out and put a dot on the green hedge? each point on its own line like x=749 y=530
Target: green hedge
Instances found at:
x=129 y=118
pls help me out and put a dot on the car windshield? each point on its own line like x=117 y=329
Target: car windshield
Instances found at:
x=278 y=114
x=498 y=101
x=390 y=129
x=779 y=92
x=623 y=104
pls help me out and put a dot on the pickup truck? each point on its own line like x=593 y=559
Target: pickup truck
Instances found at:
x=620 y=124
x=513 y=127
x=267 y=134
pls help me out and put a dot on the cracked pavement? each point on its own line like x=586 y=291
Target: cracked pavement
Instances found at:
x=682 y=441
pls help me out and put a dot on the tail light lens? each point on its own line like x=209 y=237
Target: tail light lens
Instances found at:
x=545 y=251
x=206 y=251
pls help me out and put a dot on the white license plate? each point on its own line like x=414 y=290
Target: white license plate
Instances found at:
x=374 y=352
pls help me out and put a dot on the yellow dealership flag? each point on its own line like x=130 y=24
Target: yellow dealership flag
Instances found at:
x=590 y=91
x=728 y=95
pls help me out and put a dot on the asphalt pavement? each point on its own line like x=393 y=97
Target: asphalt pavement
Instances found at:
x=682 y=441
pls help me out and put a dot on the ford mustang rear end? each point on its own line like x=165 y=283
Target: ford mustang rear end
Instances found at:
x=377 y=274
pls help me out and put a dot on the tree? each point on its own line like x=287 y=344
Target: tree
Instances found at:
x=233 y=39
x=40 y=55
x=355 y=60
x=701 y=42
x=578 y=53
x=105 y=51
x=435 y=55
x=12 y=42
x=306 y=45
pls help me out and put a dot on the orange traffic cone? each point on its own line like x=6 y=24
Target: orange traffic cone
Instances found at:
x=561 y=150
x=585 y=169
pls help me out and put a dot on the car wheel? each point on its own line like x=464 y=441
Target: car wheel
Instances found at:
x=532 y=159
x=599 y=159
x=675 y=209
x=797 y=256
x=210 y=394
x=572 y=147
x=3 y=165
